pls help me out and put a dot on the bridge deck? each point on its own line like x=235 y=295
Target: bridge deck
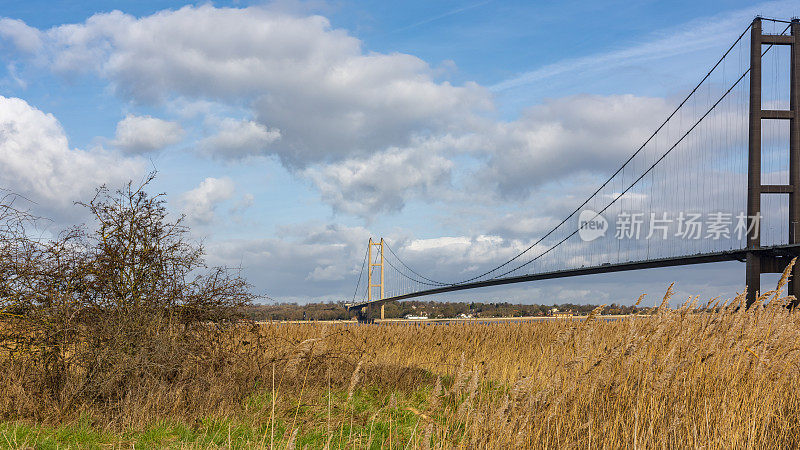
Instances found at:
x=701 y=258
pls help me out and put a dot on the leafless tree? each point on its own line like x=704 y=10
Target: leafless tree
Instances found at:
x=95 y=309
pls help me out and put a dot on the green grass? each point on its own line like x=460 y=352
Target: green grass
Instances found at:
x=366 y=419
x=78 y=435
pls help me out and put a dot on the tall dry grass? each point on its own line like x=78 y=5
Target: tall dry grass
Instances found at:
x=716 y=376
x=682 y=378
x=686 y=377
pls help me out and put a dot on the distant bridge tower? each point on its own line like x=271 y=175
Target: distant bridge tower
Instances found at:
x=370 y=276
x=757 y=262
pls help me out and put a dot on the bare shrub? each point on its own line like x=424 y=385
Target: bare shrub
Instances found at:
x=94 y=316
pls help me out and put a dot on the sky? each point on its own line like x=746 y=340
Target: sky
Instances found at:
x=288 y=133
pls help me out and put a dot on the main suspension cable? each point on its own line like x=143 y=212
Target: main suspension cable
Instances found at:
x=652 y=166
x=607 y=181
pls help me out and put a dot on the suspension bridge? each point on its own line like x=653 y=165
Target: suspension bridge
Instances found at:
x=718 y=179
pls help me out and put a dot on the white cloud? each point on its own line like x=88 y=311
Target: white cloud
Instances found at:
x=454 y=258
x=244 y=202
x=200 y=203
x=237 y=139
x=565 y=136
x=328 y=97
x=142 y=134
x=370 y=130
x=553 y=142
x=36 y=161
x=25 y=38
x=324 y=261
x=381 y=182
x=524 y=223
x=421 y=245
x=313 y=261
x=331 y=272
x=15 y=77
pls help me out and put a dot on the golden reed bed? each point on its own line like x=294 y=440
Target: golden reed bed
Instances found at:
x=682 y=378
x=695 y=376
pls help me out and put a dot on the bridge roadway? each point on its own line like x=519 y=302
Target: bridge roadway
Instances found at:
x=778 y=251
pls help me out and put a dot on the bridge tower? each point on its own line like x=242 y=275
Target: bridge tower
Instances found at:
x=760 y=263
x=373 y=264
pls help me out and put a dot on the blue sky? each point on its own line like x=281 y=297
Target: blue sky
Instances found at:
x=289 y=132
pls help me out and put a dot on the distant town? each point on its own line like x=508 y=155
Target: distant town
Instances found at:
x=426 y=310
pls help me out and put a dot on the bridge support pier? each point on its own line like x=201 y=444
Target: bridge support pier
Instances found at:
x=364 y=316
x=373 y=264
x=794 y=154
x=758 y=263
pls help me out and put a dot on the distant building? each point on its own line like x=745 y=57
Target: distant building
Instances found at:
x=554 y=312
x=465 y=316
x=413 y=317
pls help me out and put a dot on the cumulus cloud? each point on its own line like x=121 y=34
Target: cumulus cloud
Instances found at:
x=142 y=134
x=313 y=262
x=321 y=261
x=569 y=135
x=551 y=142
x=454 y=258
x=369 y=129
x=200 y=203
x=37 y=162
x=523 y=224
x=325 y=260
x=24 y=38
x=328 y=97
x=381 y=182
x=237 y=139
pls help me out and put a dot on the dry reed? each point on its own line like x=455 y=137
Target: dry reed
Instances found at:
x=718 y=377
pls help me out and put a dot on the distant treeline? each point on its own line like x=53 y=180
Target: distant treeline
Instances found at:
x=431 y=309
